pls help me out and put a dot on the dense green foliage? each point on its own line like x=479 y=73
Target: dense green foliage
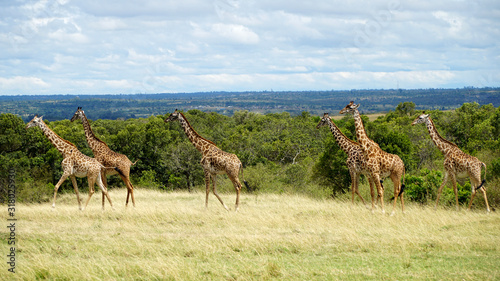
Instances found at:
x=280 y=152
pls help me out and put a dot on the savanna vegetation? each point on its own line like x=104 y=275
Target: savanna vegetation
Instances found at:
x=295 y=223
x=281 y=153
x=171 y=236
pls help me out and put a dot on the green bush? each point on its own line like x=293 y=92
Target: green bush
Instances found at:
x=148 y=179
x=495 y=169
x=295 y=175
x=263 y=178
x=415 y=189
x=463 y=191
x=423 y=188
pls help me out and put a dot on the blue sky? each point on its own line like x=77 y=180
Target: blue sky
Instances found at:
x=153 y=46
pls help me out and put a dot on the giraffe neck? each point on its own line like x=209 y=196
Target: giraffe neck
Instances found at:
x=441 y=143
x=366 y=143
x=344 y=142
x=63 y=146
x=94 y=142
x=200 y=143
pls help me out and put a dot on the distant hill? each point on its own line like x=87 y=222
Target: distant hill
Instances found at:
x=57 y=107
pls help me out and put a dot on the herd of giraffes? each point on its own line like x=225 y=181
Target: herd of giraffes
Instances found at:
x=363 y=157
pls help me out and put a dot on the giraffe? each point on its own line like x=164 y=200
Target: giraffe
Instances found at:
x=456 y=162
x=214 y=161
x=379 y=163
x=107 y=157
x=355 y=160
x=74 y=164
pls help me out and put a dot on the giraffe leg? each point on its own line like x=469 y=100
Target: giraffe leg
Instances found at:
x=357 y=191
x=214 y=183
x=207 y=184
x=372 y=191
x=353 y=185
x=483 y=190
x=380 y=190
x=102 y=199
x=91 y=190
x=396 y=193
x=475 y=184
x=237 y=204
x=130 y=189
x=378 y=194
x=73 y=181
x=454 y=183
x=104 y=191
x=397 y=187
x=402 y=200
x=104 y=180
x=445 y=180
x=355 y=188
x=237 y=186
x=472 y=196
x=58 y=184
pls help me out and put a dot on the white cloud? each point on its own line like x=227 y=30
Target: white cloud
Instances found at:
x=62 y=36
x=55 y=46
x=119 y=84
x=18 y=84
x=109 y=24
x=234 y=33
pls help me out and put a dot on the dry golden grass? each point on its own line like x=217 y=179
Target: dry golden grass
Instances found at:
x=371 y=117
x=171 y=236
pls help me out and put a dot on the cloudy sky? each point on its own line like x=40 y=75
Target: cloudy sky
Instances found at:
x=152 y=46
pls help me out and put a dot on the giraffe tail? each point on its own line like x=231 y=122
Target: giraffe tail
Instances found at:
x=119 y=171
x=103 y=170
x=481 y=185
x=244 y=181
x=133 y=163
x=403 y=186
x=484 y=180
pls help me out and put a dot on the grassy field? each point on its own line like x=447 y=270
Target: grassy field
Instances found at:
x=372 y=117
x=171 y=236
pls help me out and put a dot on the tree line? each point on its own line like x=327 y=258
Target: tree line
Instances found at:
x=280 y=152
x=56 y=107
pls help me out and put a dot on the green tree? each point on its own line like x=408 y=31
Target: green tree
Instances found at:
x=331 y=170
x=183 y=160
x=405 y=108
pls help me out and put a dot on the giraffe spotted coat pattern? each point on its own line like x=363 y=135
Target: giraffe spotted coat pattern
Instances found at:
x=456 y=162
x=107 y=157
x=380 y=163
x=214 y=161
x=74 y=164
x=356 y=162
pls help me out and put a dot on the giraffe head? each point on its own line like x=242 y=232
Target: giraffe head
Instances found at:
x=79 y=114
x=422 y=118
x=324 y=121
x=36 y=121
x=350 y=108
x=174 y=116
